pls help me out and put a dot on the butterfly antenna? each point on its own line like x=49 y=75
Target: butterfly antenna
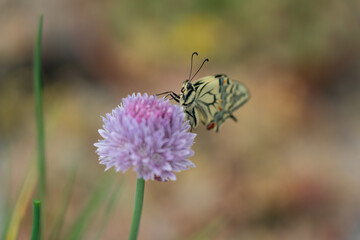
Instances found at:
x=191 y=63
x=206 y=60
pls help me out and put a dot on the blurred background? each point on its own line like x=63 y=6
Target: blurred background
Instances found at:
x=288 y=169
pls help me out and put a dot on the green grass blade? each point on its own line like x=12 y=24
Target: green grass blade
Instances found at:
x=210 y=230
x=21 y=204
x=5 y=167
x=110 y=208
x=93 y=204
x=39 y=113
x=59 y=221
x=6 y=220
x=35 y=233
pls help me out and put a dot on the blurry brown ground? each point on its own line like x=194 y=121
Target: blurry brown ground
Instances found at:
x=288 y=169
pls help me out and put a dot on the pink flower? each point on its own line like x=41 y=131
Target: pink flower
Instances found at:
x=148 y=134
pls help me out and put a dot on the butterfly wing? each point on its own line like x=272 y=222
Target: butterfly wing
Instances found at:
x=207 y=99
x=233 y=95
x=217 y=97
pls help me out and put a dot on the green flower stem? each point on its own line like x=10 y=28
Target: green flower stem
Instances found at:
x=35 y=234
x=139 y=196
x=39 y=113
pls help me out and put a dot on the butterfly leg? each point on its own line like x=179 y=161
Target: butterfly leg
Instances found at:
x=170 y=92
x=172 y=97
x=175 y=97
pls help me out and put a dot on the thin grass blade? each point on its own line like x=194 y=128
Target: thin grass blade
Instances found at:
x=85 y=216
x=210 y=230
x=21 y=204
x=114 y=198
x=5 y=166
x=59 y=221
x=37 y=71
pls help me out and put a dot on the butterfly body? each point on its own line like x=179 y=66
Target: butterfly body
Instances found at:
x=212 y=100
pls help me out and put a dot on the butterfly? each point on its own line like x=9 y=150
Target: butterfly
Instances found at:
x=211 y=99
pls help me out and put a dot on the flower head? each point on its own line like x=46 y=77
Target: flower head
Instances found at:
x=148 y=134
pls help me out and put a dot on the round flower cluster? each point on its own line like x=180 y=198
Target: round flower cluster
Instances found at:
x=148 y=134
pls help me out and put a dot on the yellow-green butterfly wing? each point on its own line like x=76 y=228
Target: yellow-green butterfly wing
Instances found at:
x=212 y=100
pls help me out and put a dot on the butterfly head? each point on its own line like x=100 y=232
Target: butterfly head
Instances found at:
x=187 y=93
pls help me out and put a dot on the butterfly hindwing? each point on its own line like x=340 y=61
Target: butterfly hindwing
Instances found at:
x=233 y=95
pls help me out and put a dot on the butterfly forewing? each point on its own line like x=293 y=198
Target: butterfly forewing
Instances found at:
x=207 y=98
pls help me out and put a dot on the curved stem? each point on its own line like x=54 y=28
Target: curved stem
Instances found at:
x=139 y=196
x=37 y=71
x=39 y=113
